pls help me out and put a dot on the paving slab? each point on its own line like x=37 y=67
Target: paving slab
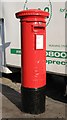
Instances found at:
x=12 y=104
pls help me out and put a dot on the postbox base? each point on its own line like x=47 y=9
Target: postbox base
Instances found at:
x=33 y=100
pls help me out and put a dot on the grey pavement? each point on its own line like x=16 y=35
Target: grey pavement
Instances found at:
x=12 y=104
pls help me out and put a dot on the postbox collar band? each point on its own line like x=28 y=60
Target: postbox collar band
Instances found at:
x=32 y=12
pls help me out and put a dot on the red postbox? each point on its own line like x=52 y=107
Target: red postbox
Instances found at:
x=33 y=59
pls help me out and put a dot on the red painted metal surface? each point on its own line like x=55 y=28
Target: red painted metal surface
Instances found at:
x=33 y=58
